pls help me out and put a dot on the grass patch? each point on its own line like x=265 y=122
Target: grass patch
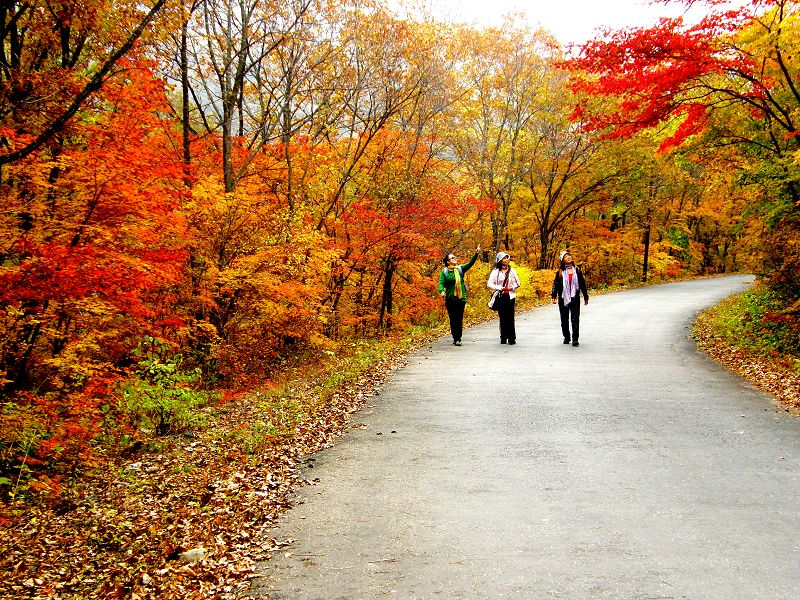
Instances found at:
x=754 y=334
x=758 y=322
x=320 y=392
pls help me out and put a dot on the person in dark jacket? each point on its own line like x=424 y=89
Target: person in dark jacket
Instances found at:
x=453 y=289
x=568 y=285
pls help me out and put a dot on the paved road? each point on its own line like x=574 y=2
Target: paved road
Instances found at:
x=631 y=467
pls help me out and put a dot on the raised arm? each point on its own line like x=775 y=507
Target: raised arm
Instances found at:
x=468 y=266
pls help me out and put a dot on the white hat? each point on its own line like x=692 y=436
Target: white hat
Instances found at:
x=562 y=254
x=500 y=256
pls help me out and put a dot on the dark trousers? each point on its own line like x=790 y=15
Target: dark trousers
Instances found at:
x=571 y=313
x=505 y=311
x=455 y=310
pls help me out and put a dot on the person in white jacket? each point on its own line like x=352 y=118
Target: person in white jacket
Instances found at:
x=504 y=281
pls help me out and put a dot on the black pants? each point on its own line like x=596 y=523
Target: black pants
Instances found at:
x=455 y=310
x=505 y=311
x=571 y=313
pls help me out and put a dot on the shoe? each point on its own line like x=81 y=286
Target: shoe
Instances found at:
x=512 y=342
x=566 y=340
x=457 y=342
x=575 y=343
x=502 y=341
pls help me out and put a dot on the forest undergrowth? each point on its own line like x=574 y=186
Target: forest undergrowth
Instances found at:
x=188 y=516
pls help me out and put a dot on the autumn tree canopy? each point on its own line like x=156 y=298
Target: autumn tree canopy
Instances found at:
x=229 y=188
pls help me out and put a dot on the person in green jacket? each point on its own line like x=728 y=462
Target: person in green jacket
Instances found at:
x=453 y=289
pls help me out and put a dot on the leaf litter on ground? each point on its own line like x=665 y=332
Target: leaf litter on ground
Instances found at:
x=190 y=519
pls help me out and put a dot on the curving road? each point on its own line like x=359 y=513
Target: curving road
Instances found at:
x=631 y=467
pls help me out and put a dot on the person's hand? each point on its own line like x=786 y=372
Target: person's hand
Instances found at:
x=477 y=250
x=555 y=300
x=442 y=294
x=585 y=302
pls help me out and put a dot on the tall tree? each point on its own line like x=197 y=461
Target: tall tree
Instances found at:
x=567 y=170
x=227 y=43
x=504 y=81
x=380 y=72
x=96 y=263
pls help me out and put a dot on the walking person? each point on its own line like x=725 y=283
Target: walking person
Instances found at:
x=568 y=285
x=504 y=281
x=453 y=289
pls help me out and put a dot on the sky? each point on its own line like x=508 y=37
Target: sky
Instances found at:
x=570 y=21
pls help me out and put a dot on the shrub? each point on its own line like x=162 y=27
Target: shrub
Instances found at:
x=20 y=432
x=162 y=397
x=761 y=320
x=539 y=283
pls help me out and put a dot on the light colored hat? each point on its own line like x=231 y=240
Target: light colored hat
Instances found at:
x=562 y=254
x=500 y=256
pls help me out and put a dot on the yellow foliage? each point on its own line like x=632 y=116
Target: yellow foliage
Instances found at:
x=540 y=282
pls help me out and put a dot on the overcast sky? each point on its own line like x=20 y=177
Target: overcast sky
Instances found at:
x=571 y=21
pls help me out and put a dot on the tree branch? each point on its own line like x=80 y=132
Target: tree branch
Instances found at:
x=94 y=84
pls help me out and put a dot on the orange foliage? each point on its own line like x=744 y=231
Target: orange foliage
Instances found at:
x=328 y=224
x=95 y=249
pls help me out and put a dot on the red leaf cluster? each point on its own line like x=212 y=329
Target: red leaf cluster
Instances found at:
x=657 y=74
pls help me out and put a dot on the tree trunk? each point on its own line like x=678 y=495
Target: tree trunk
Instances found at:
x=187 y=151
x=544 y=247
x=227 y=146
x=229 y=99
x=384 y=319
x=646 y=251
x=286 y=138
x=496 y=232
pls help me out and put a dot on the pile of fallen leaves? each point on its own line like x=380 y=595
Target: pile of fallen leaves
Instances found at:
x=189 y=520
x=773 y=374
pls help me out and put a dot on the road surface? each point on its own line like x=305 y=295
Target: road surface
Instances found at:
x=631 y=467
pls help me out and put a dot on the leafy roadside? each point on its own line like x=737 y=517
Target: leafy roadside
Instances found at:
x=189 y=516
x=755 y=334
